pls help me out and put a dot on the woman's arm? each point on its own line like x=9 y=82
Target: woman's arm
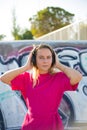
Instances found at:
x=74 y=75
x=11 y=74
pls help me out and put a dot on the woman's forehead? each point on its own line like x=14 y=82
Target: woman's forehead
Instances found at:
x=44 y=51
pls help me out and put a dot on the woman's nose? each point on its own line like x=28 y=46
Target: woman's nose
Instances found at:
x=45 y=60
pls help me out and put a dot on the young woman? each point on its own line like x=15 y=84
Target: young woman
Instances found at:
x=43 y=87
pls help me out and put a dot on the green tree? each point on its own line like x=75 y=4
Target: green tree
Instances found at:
x=2 y=36
x=49 y=19
x=16 y=28
x=26 y=35
x=17 y=32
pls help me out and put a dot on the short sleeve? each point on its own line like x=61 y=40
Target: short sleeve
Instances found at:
x=19 y=83
x=66 y=84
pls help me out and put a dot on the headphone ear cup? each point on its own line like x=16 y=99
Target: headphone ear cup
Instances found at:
x=33 y=60
x=53 y=58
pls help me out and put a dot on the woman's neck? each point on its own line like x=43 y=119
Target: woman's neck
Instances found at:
x=42 y=72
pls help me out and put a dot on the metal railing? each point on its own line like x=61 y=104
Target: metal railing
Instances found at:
x=75 y=31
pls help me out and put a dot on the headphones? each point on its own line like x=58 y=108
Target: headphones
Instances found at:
x=33 y=59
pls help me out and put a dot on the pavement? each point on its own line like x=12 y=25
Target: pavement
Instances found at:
x=78 y=126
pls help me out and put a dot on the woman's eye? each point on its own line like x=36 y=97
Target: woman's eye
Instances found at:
x=45 y=58
x=41 y=57
x=49 y=57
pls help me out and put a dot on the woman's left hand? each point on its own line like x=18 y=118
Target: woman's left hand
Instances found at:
x=57 y=62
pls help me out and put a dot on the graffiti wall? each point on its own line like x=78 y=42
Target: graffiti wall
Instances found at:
x=14 y=55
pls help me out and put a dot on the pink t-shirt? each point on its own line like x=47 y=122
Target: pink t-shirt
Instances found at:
x=43 y=100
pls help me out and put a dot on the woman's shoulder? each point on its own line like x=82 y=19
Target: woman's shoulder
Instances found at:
x=26 y=74
x=59 y=74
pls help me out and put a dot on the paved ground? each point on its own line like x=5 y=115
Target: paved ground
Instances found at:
x=78 y=126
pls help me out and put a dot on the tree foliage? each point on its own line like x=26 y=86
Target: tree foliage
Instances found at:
x=16 y=28
x=26 y=35
x=2 y=36
x=49 y=19
x=17 y=32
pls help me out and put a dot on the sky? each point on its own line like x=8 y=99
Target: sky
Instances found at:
x=25 y=9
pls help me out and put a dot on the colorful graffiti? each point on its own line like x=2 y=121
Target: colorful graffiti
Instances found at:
x=70 y=56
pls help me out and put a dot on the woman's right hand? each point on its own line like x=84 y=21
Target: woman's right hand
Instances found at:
x=29 y=64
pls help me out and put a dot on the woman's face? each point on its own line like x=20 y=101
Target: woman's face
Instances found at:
x=43 y=60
